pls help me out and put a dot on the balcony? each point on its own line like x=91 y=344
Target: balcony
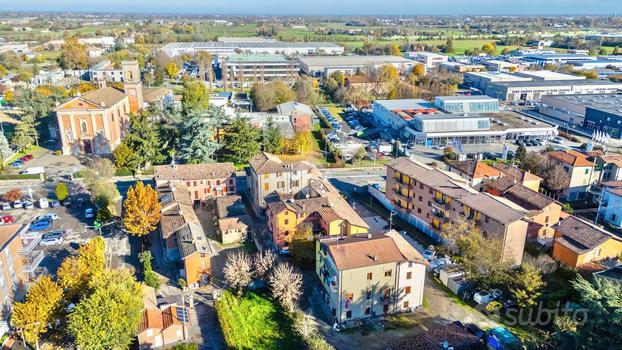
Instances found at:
x=440 y=215
x=441 y=203
x=32 y=244
x=32 y=261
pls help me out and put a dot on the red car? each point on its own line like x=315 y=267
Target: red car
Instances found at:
x=6 y=219
x=26 y=158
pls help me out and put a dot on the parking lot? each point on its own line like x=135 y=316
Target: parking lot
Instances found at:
x=70 y=221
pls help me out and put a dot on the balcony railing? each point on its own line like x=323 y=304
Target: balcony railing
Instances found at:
x=33 y=260
x=32 y=244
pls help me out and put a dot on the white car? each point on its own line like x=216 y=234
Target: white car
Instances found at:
x=6 y=206
x=44 y=203
x=429 y=254
x=483 y=297
x=438 y=262
x=18 y=204
x=52 y=240
x=29 y=205
x=51 y=216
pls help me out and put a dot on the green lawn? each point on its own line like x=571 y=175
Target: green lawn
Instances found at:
x=255 y=322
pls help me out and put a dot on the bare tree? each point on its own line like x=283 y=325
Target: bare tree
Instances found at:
x=304 y=324
x=238 y=271
x=285 y=285
x=263 y=264
x=543 y=262
x=556 y=178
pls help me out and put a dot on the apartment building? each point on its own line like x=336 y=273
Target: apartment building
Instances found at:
x=105 y=70
x=519 y=176
x=203 y=181
x=269 y=176
x=475 y=171
x=245 y=70
x=434 y=198
x=543 y=211
x=320 y=207
x=369 y=275
x=578 y=242
x=579 y=168
x=18 y=262
x=182 y=235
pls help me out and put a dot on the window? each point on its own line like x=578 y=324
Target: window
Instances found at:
x=196 y=194
x=420 y=185
x=266 y=176
x=486 y=219
x=407 y=290
x=420 y=198
x=217 y=182
x=419 y=210
x=546 y=220
x=349 y=314
x=409 y=275
x=150 y=332
x=367 y=310
x=587 y=171
x=406 y=305
x=296 y=183
x=286 y=221
x=429 y=204
x=266 y=187
x=195 y=183
x=387 y=273
x=369 y=276
x=368 y=296
x=334 y=312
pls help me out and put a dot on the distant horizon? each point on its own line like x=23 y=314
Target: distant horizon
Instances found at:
x=350 y=8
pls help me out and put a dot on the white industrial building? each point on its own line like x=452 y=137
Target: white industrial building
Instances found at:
x=596 y=64
x=398 y=114
x=226 y=48
x=247 y=69
x=467 y=104
x=556 y=58
x=548 y=75
x=534 y=90
x=429 y=59
x=323 y=66
x=480 y=80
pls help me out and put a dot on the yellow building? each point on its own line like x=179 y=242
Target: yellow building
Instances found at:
x=578 y=242
x=325 y=211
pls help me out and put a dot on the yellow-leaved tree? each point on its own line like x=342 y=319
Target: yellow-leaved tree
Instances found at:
x=41 y=308
x=141 y=209
x=76 y=272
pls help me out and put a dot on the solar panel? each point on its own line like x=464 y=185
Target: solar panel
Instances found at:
x=182 y=314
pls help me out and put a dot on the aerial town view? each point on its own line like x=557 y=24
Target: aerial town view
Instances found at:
x=320 y=175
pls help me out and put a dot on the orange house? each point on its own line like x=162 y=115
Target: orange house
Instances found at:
x=159 y=326
x=578 y=242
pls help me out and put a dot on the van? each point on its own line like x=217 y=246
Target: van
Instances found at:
x=34 y=170
x=44 y=203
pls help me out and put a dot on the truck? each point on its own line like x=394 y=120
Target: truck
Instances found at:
x=33 y=170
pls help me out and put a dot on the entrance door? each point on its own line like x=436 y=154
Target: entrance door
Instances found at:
x=88 y=148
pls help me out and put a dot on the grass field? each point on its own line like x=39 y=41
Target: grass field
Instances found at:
x=255 y=322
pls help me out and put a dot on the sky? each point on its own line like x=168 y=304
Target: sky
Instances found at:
x=328 y=7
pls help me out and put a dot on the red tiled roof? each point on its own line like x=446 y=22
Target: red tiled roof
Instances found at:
x=572 y=157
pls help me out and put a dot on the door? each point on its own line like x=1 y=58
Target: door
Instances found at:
x=86 y=145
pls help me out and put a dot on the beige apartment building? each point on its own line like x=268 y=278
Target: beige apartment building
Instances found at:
x=204 y=181
x=435 y=198
x=269 y=176
x=369 y=275
x=17 y=262
x=580 y=170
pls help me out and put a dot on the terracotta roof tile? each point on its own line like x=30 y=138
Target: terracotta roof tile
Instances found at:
x=580 y=236
x=352 y=252
x=152 y=319
x=516 y=173
x=266 y=163
x=204 y=171
x=109 y=96
x=476 y=169
x=572 y=157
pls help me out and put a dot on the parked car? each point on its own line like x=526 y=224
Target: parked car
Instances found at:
x=26 y=158
x=496 y=294
x=6 y=206
x=438 y=262
x=44 y=203
x=18 y=164
x=558 y=140
x=89 y=213
x=28 y=205
x=52 y=238
x=483 y=297
x=499 y=338
x=48 y=216
x=18 y=204
x=40 y=225
x=33 y=170
x=429 y=253
x=54 y=203
x=6 y=219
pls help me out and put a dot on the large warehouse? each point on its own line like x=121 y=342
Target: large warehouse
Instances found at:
x=534 y=90
x=226 y=48
x=323 y=66
x=481 y=80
